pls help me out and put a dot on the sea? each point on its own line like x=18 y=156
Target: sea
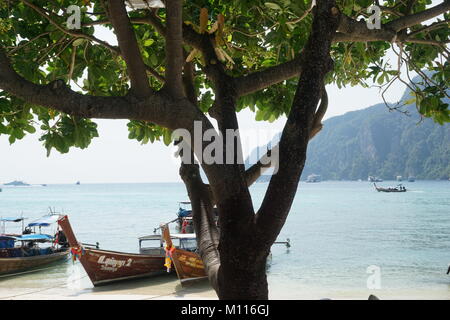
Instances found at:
x=347 y=240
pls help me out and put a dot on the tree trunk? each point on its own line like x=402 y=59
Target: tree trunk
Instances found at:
x=235 y=258
x=235 y=266
x=239 y=283
x=242 y=272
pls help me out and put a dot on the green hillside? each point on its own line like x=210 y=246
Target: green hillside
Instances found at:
x=380 y=143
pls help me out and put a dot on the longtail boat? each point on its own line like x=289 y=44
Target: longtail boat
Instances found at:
x=105 y=266
x=188 y=264
x=399 y=188
x=23 y=253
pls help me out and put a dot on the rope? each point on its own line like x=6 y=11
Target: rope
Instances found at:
x=40 y=290
x=24 y=272
x=164 y=295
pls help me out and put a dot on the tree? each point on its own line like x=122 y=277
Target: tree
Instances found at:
x=173 y=66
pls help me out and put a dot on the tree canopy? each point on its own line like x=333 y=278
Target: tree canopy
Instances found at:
x=250 y=36
x=173 y=66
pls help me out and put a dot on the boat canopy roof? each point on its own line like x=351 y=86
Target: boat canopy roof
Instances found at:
x=45 y=221
x=183 y=236
x=34 y=237
x=173 y=236
x=12 y=219
x=151 y=237
x=185 y=202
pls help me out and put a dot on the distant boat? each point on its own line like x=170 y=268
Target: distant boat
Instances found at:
x=398 y=188
x=411 y=179
x=17 y=184
x=313 y=178
x=374 y=179
x=399 y=178
x=78 y=183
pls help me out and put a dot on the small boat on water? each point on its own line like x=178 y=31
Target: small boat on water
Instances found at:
x=185 y=223
x=20 y=253
x=399 y=188
x=313 y=178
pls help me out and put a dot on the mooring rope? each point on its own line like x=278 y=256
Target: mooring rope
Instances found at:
x=44 y=289
x=165 y=295
x=24 y=272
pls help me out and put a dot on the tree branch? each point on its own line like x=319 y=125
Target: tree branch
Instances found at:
x=430 y=27
x=417 y=18
x=268 y=160
x=262 y=79
x=204 y=220
x=350 y=30
x=320 y=113
x=157 y=108
x=297 y=131
x=189 y=82
x=77 y=34
x=129 y=48
x=72 y=33
x=353 y=30
x=174 y=48
x=264 y=163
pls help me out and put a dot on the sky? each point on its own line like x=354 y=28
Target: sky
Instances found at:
x=113 y=158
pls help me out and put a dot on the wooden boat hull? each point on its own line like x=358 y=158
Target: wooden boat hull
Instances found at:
x=15 y=265
x=379 y=189
x=188 y=265
x=104 y=267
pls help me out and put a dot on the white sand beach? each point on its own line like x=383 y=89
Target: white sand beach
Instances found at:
x=169 y=288
x=162 y=288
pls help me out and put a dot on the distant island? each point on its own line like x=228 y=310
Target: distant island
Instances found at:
x=378 y=144
x=17 y=184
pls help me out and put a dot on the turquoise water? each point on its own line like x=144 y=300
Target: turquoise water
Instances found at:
x=337 y=230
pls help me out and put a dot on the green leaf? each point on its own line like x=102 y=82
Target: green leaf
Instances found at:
x=273 y=6
x=78 y=42
x=148 y=42
x=167 y=137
